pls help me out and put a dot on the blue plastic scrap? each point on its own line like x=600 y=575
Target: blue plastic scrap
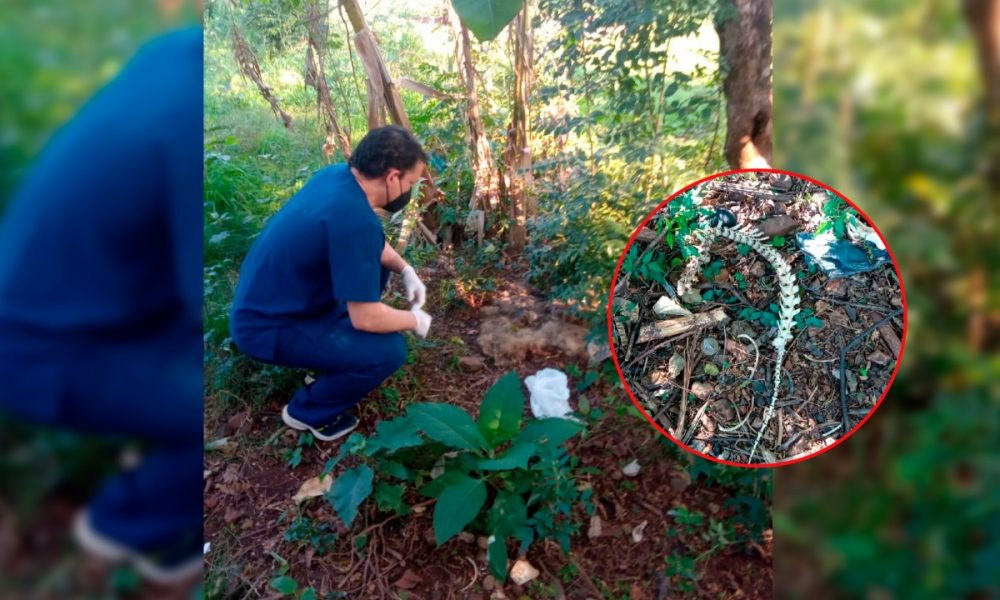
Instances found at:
x=840 y=258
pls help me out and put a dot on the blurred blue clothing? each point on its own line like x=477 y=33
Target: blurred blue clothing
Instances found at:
x=322 y=250
x=101 y=286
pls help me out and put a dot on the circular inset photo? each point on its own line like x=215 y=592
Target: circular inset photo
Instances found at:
x=757 y=318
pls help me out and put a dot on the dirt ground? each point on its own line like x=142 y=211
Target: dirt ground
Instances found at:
x=714 y=365
x=249 y=487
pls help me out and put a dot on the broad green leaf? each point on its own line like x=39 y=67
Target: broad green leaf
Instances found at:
x=486 y=18
x=433 y=488
x=308 y=594
x=394 y=469
x=496 y=555
x=457 y=506
x=393 y=435
x=390 y=497
x=508 y=513
x=447 y=424
x=516 y=457
x=500 y=413
x=285 y=584
x=349 y=491
x=552 y=431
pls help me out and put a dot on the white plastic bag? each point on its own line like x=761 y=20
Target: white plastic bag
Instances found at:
x=549 y=390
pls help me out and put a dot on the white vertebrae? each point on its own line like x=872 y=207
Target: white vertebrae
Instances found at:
x=788 y=303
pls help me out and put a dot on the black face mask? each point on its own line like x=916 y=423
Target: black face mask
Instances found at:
x=400 y=202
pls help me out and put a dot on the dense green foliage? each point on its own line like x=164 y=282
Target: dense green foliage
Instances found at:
x=882 y=100
x=605 y=153
x=491 y=475
x=632 y=113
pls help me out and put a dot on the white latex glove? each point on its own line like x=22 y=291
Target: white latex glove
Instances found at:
x=416 y=291
x=423 y=321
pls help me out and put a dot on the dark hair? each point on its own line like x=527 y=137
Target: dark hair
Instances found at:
x=384 y=148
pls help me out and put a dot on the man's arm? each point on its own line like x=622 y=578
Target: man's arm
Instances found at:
x=376 y=317
x=392 y=260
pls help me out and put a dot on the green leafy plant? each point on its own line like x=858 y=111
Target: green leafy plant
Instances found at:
x=689 y=520
x=836 y=215
x=303 y=531
x=767 y=318
x=805 y=319
x=646 y=267
x=682 y=570
x=286 y=585
x=778 y=241
x=293 y=456
x=504 y=479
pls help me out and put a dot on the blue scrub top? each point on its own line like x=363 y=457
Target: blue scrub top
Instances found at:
x=322 y=249
x=104 y=238
x=101 y=246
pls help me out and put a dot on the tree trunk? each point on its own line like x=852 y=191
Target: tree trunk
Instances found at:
x=316 y=31
x=383 y=96
x=484 y=190
x=983 y=17
x=250 y=69
x=744 y=28
x=519 y=178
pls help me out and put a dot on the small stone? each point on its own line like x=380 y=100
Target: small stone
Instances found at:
x=778 y=225
x=675 y=366
x=879 y=358
x=710 y=346
x=757 y=270
x=757 y=423
x=482 y=541
x=522 y=572
x=666 y=307
x=489 y=583
x=631 y=469
x=472 y=364
x=637 y=532
x=597 y=352
x=702 y=390
x=723 y=411
x=237 y=421
x=681 y=480
x=466 y=537
x=837 y=288
x=852 y=381
x=490 y=311
x=595 y=527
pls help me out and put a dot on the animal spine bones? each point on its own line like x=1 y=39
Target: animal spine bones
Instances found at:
x=752 y=237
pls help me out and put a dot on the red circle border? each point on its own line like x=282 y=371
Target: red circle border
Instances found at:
x=628 y=389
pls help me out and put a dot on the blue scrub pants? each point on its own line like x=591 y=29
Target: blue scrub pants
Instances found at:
x=350 y=363
x=149 y=390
